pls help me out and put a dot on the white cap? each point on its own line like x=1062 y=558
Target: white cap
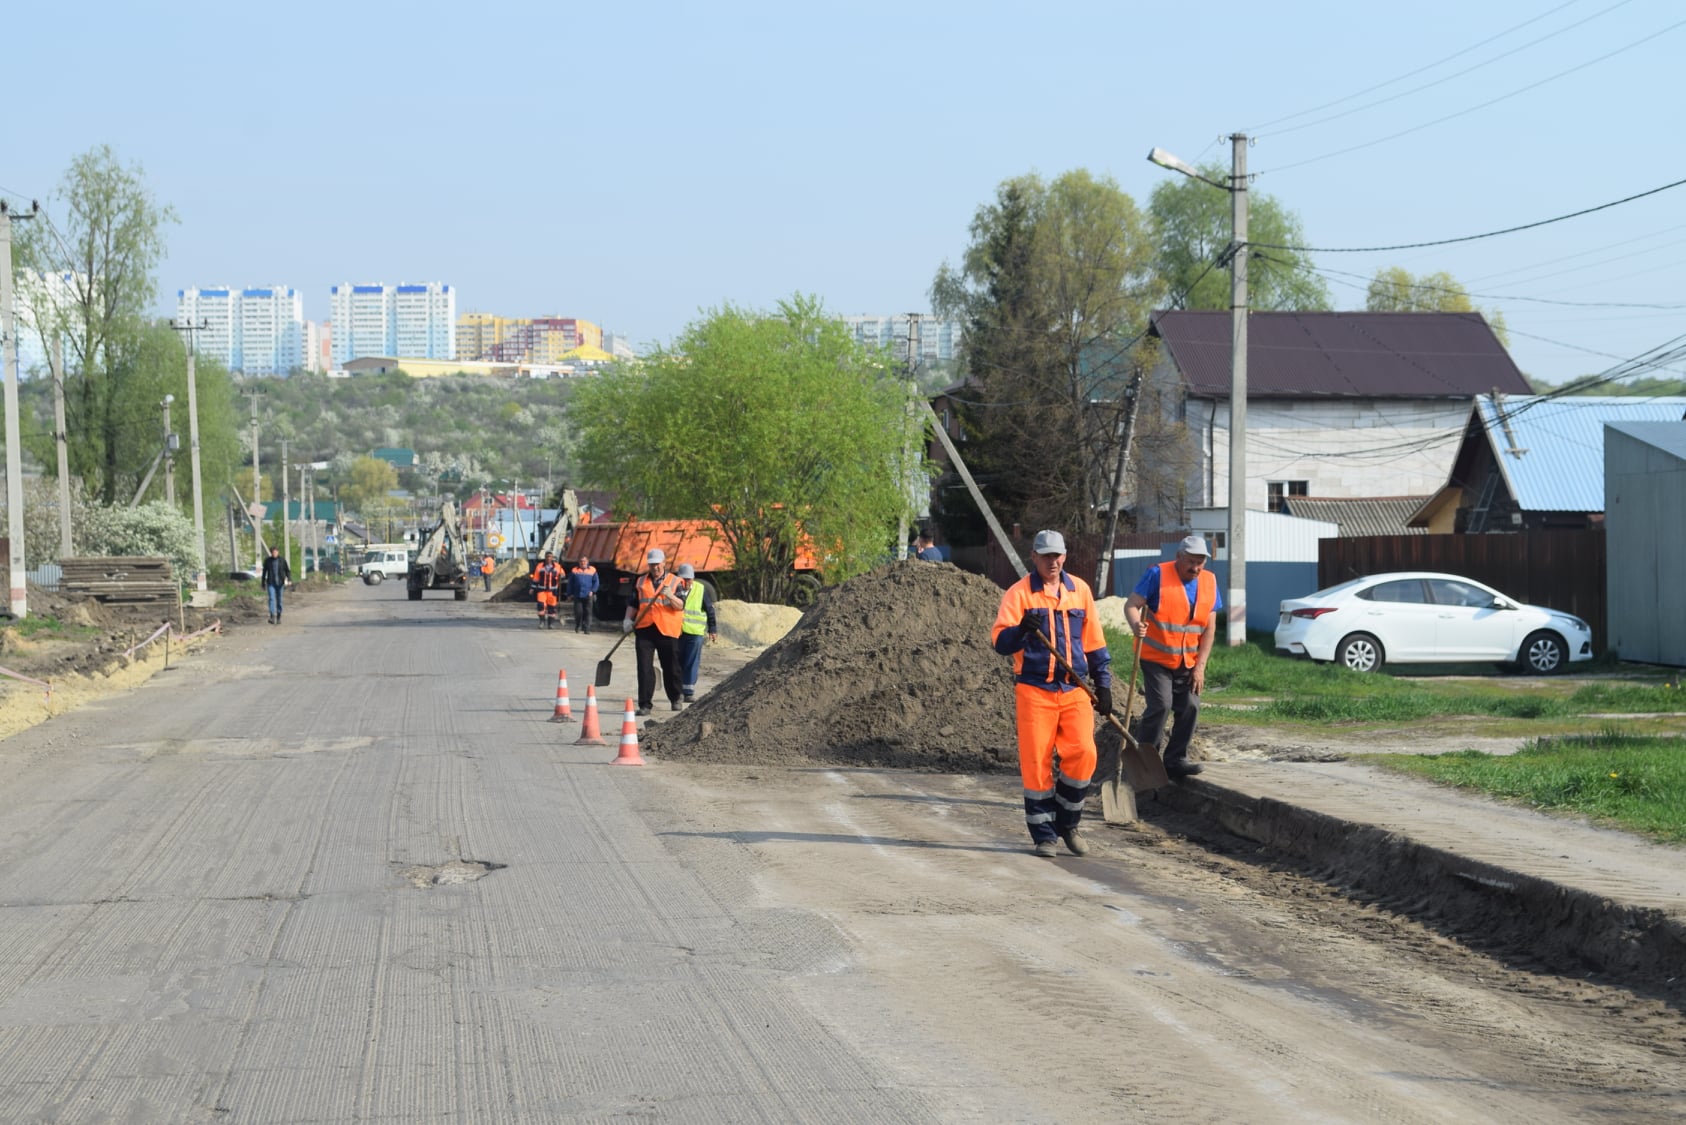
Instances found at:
x=686 y=570
x=1194 y=545
x=655 y=556
x=1048 y=543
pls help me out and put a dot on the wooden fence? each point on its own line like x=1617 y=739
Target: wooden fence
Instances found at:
x=1562 y=570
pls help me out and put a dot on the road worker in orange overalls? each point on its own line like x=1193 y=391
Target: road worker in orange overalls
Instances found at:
x=1056 y=721
x=547 y=580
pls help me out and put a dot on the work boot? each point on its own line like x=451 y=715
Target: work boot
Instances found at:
x=1074 y=842
x=677 y=706
x=690 y=697
x=1180 y=768
x=642 y=711
x=1046 y=849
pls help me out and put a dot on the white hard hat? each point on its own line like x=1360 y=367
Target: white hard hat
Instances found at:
x=656 y=555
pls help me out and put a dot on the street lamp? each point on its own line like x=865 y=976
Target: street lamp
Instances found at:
x=1236 y=601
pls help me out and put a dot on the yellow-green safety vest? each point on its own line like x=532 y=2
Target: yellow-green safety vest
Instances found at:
x=696 y=620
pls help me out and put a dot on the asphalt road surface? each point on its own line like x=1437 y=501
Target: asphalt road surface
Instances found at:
x=345 y=870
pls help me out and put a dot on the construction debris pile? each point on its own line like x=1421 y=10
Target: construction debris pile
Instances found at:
x=892 y=668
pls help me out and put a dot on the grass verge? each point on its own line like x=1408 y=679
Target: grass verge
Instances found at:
x=1630 y=781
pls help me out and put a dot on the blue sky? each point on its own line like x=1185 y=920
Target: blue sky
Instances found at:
x=637 y=168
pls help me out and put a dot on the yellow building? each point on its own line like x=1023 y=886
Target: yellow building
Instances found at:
x=525 y=340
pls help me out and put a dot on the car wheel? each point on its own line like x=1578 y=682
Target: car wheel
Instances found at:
x=373 y=578
x=1542 y=654
x=1361 y=652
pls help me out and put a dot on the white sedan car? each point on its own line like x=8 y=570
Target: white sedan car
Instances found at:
x=1415 y=617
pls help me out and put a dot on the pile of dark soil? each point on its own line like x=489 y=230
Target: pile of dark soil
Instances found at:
x=893 y=668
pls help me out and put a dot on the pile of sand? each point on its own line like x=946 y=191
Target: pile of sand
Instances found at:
x=893 y=668
x=753 y=624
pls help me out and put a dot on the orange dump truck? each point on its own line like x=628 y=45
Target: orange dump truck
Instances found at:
x=617 y=550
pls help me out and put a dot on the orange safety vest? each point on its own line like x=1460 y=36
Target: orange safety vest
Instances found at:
x=548 y=577
x=668 y=620
x=1174 y=629
x=486 y=565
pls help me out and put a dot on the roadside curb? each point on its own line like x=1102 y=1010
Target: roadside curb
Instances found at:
x=1573 y=929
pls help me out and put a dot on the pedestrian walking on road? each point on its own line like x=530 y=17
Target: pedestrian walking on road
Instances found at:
x=487 y=565
x=277 y=576
x=547 y=580
x=658 y=613
x=697 y=624
x=582 y=587
x=1055 y=720
x=1173 y=611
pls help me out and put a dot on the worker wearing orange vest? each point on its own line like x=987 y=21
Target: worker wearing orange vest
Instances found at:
x=547 y=579
x=658 y=615
x=486 y=568
x=1173 y=611
x=1053 y=712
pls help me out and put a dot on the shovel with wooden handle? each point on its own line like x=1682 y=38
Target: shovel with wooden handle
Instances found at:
x=605 y=669
x=1140 y=767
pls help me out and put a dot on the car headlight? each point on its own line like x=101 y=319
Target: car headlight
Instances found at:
x=1577 y=624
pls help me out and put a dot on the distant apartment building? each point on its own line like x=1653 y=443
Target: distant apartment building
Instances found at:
x=933 y=339
x=524 y=340
x=318 y=335
x=618 y=346
x=255 y=331
x=412 y=321
x=34 y=301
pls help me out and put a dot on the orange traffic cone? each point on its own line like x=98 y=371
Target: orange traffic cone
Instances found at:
x=590 y=734
x=564 y=713
x=629 y=755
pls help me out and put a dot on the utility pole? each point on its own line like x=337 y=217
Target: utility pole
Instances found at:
x=61 y=438
x=188 y=331
x=169 y=455
x=1236 y=602
x=14 y=447
x=909 y=448
x=286 y=538
x=257 y=487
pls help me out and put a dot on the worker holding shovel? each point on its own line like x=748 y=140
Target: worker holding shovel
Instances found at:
x=1173 y=613
x=1055 y=718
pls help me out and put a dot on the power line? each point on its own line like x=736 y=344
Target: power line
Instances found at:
x=1455 y=75
x=1410 y=73
x=1483 y=105
x=1467 y=237
x=1419 y=287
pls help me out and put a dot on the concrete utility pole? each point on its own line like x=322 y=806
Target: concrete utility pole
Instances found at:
x=193 y=451
x=1236 y=602
x=14 y=448
x=257 y=489
x=286 y=538
x=61 y=438
x=169 y=455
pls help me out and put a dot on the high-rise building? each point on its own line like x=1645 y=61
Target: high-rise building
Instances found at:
x=407 y=321
x=256 y=331
x=535 y=340
x=35 y=300
x=933 y=338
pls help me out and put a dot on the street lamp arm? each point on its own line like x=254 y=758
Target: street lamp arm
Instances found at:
x=1165 y=160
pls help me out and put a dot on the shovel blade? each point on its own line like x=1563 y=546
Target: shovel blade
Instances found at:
x=1118 y=802
x=605 y=672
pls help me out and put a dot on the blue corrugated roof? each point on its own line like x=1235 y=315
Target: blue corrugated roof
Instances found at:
x=1560 y=463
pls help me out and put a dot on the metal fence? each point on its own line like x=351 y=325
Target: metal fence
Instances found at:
x=1562 y=570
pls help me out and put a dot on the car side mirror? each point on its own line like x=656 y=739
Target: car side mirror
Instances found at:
x=1500 y=603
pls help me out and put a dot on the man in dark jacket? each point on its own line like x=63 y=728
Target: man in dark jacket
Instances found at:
x=582 y=587
x=277 y=576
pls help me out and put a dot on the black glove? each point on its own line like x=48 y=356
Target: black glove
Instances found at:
x=1103 y=701
x=1029 y=625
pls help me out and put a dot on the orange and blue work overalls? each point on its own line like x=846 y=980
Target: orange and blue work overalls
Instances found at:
x=1053 y=712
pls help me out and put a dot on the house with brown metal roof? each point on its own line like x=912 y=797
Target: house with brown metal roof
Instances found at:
x=1339 y=404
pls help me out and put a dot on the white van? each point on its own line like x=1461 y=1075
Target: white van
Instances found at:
x=383 y=562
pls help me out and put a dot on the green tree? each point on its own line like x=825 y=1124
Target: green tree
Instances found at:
x=1395 y=289
x=367 y=487
x=106 y=243
x=1055 y=290
x=774 y=426
x=1191 y=226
